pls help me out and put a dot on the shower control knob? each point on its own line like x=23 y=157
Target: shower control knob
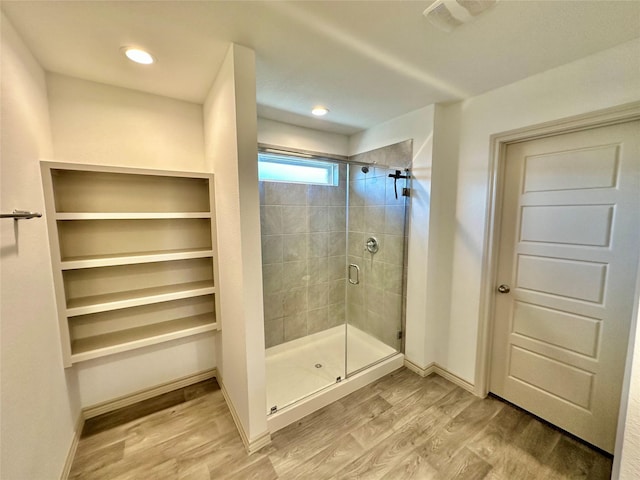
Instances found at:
x=504 y=288
x=372 y=245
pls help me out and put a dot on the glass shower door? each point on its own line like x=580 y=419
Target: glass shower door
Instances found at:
x=303 y=254
x=375 y=265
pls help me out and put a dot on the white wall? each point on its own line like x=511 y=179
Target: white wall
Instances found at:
x=609 y=78
x=446 y=257
x=100 y=124
x=39 y=400
x=627 y=462
x=281 y=134
x=442 y=232
x=417 y=125
x=231 y=150
x=115 y=376
x=606 y=79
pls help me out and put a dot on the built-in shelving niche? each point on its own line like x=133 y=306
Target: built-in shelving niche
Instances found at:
x=134 y=256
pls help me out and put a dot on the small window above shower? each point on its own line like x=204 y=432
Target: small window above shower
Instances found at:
x=282 y=167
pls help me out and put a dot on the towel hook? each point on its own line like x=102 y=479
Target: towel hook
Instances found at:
x=21 y=215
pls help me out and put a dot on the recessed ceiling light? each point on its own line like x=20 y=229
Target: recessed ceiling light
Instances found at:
x=319 y=110
x=139 y=56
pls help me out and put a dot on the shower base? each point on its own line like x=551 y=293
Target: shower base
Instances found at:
x=302 y=374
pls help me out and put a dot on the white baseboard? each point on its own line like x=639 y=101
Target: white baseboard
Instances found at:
x=423 y=372
x=66 y=470
x=444 y=373
x=145 y=394
x=251 y=446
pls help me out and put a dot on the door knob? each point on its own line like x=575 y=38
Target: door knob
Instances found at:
x=504 y=288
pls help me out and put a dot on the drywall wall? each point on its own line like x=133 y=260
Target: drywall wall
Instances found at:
x=39 y=400
x=609 y=78
x=271 y=132
x=627 y=455
x=417 y=125
x=442 y=230
x=231 y=152
x=458 y=185
x=101 y=124
x=115 y=376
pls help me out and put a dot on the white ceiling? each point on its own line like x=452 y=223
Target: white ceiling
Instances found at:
x=368 y=61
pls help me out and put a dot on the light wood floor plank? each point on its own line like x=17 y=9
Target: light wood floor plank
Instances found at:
x=377 y=461
x=326 y=462
x=406 y=411
x=457 y=432
x=493 y=441
x=466 y=465
x=284 y=458
x=91 y=459
x=412 y=467
x=260 y=470
x=399 y=427
x=538 y=440
x=571 y=459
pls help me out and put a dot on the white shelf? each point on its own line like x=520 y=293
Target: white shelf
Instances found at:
x=125 y=340
x=107 y=225
x=73 y=263
x=130 y=215
x=135 y=298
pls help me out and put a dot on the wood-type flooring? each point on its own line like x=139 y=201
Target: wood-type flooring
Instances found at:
x=402 y=426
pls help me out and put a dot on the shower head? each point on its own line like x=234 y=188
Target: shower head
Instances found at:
x=365 y=169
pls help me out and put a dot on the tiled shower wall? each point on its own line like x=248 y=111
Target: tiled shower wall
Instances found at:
x=303 y=256
x=376 y=304
x=304 y=247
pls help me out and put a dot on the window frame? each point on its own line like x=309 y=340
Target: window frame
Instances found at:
x=331 y=168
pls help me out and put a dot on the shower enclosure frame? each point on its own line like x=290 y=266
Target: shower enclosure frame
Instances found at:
x=372 y=169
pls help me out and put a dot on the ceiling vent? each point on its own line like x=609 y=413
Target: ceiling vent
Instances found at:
x=449 y=14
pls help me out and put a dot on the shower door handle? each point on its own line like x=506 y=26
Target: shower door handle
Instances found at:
x=353 y=267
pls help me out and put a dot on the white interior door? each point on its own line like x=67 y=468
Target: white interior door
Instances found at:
x=569 y=242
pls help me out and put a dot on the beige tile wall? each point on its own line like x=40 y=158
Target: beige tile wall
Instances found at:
x=304 y=252
x=375 y=305
x=303 y=255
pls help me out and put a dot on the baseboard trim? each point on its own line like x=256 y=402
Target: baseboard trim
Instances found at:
x=147 y=393
x=446 y=374
x=66 y=470
x=423 y=372
x=433 y=367
x=259 y=443
x=251 y=446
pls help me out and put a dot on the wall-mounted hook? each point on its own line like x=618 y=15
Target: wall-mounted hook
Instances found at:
x=21 y=215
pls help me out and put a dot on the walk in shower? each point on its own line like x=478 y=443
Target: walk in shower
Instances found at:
x=333 y=250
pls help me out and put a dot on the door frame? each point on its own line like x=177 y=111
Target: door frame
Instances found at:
x=497 y=158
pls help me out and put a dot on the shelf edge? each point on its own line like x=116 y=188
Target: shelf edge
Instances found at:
x=133 y=259
x=68 y=216
x=139 y=301
x=143 y=342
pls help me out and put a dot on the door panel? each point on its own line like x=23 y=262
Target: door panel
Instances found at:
x=576 y=169
x=569 y=240
x=558 y=224
x=576 y=333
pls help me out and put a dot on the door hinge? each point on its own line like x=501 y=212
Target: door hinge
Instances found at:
x=399 y=334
